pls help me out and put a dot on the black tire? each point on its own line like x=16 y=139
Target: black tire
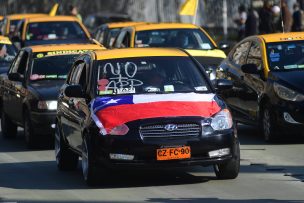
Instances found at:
x=66 y=159
x=8 y=128
x=268 y=126
x=230 y=169
x=31 y=138
x=90 y=171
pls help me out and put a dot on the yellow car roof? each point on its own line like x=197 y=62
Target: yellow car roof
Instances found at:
x=65 y=47
x=4 y=40
x=25 y=15
x=158 y=26
x=52 y=18
x=137 y=52
x=1 y=17
x=280 y=37
x=123 y=24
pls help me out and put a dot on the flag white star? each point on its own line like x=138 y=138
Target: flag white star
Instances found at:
x=113 y=101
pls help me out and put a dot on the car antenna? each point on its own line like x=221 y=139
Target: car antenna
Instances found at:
x=281 y=13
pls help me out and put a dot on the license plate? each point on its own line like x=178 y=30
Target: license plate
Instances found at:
x=173 y=153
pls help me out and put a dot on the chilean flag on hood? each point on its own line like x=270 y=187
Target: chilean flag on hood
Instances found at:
x=110 y=112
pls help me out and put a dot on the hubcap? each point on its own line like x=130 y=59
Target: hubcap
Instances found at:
x=266 y=124
x=85 y=161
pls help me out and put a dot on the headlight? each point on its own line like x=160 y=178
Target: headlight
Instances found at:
x=222 y=120
x=286 y=93
x=47 y=105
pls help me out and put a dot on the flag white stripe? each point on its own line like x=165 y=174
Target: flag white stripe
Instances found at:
x=182 y=97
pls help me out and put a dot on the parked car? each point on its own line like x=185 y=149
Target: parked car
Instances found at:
x=143 y=107
x=7 y=53
x=179 y=35
x=267 y=73
x=94 y=20
x=28 y=94
x=107 y=33
x=51 y=30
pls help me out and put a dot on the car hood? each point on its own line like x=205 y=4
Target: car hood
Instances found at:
x=46 y=89
x=291 y=79
x=112 y=112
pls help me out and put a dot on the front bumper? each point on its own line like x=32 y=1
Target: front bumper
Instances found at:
x=144 y=152
x=42 y=122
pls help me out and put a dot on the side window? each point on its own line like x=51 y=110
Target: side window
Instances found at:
x=120 y=39
x=240 y=53
x=254 y=55
x=19 y=65
x=76 y=74
x=126 y=41
x=23 y=63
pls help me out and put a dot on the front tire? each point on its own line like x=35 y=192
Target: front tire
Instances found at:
x=230 y=169
x=66 y=160
x=30 y=136
x=89 y=166
x=8 y=128
x=268 y=124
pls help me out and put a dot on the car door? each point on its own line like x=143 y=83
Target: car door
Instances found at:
x=70 y=118
x=237 y=96
x=255 y=83
x=17 y=89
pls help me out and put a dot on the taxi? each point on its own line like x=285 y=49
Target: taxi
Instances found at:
x=29 y=91
x=10 y=22
x=143 y=108
x=267 y=72
x=7 y=53
x=107 y=33
x=190 y=37
x=52 y=30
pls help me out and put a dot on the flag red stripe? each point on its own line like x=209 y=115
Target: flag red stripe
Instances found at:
x=117 y=115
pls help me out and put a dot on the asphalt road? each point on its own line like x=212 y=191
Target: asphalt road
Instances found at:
x=269 y=173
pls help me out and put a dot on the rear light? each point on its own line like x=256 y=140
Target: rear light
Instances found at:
x=120 y=130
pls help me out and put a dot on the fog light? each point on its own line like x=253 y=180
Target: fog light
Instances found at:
x=121 y=156
x=289 y=119
x=219 y=153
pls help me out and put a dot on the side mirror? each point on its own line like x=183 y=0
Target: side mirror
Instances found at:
x=223 y=84
x=250 y=68
x=14 y=77
x=74 y=91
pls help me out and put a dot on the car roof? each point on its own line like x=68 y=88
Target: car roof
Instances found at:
x=52 y=18
x=137 y=52
x=64 y=47
x=20 y=16
x=157 y=26
x=123 y=24
x=4 y=40
x=280 y=37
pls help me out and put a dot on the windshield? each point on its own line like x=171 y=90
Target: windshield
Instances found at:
x=7 y=54
x=51 y=67
x=149 y=75
x=62 y=30
x=285 y=55
x=181 y=38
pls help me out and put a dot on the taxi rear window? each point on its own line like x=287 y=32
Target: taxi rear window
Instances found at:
x=61 y=30
x=149 y=75
x=181 y=38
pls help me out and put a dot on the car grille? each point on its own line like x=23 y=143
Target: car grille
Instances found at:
x=159 y=131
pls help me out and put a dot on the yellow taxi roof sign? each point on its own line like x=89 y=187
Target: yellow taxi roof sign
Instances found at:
x=4 y=40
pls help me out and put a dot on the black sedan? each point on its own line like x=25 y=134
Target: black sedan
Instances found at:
x=143 y=108
x=267 y=73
